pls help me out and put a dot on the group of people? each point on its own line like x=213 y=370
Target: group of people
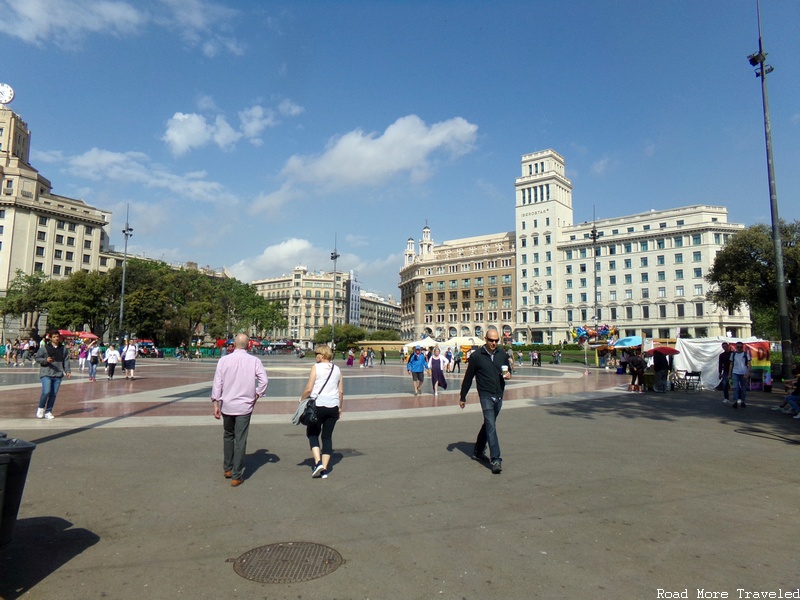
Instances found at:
x=53 y=357
x=366 y=357
x=240 y=380
x=19 y=352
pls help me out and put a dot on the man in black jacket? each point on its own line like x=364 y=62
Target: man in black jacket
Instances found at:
x=490 y=368
x=724 y=370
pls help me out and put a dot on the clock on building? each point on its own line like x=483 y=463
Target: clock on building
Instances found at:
x=6 y=93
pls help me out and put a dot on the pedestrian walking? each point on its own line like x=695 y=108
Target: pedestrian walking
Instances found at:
x=489 y=366
x=437 y=365
x=416 y=366
x=112 y=358
x=53 y=359
x=239 y=381
x=128 y=354
x=724 y=369
x=325 y=385
x=740 y=371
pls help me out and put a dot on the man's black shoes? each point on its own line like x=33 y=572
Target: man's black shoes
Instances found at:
x=480 y=457
x=496 y=467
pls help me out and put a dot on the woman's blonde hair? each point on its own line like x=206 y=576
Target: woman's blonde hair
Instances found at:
x=324 y=351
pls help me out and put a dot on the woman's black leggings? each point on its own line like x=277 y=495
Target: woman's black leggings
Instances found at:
x=325 y=424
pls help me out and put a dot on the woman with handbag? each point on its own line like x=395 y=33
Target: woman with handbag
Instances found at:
x=326 y=388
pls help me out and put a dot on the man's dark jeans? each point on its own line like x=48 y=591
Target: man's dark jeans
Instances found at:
x=488 y=433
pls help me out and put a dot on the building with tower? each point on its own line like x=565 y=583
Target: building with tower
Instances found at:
x=643 y=274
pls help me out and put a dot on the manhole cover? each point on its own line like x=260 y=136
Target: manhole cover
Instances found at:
x=287 y=562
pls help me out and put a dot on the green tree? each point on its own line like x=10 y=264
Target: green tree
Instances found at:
x=26 y=298
x=346 y=336
x=78 y=300
x=194 y=296
x=744 y=272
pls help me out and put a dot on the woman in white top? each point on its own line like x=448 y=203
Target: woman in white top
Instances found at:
x=112 y=358
x=437 y=365
x=129 y=359
x=325 y=385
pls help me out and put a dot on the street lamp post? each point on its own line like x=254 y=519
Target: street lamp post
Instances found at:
x=127 y=232
x=758 y=60
x=334 y=258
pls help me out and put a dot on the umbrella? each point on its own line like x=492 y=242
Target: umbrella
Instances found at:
x=87 y=335
x=665 y=350
x=628 y=342
x=66 y=333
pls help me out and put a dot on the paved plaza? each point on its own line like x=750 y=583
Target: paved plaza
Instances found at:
x=604 y=494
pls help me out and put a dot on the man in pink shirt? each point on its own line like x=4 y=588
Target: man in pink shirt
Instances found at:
x=239 y=381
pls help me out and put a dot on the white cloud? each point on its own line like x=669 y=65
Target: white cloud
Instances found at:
x=224 y=135
x=255 y=119
x=186 y=131
x=136 y=168
x=406 y=146
x=274 y=201
x=600 y=167
x=289 y=109
x=279 y=259
x=67 y=22
x=356 y=240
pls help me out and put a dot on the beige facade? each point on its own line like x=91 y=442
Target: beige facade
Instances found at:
x=378 y=313
x=648 y=277
x=458 y=287
x=310 y=299
x=41 y=232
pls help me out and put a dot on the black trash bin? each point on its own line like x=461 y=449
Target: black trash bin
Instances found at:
x=16 y=454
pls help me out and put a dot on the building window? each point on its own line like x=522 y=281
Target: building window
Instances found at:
x=70 y=256
x=698 y=289
x=629 y=312
x=612 y=295
x=697 y=256
x=56 y=269
x=697 y=239
x=628 y=278
x=679 y=242
x=645 y=312
x=612 y=280
x=679 y=290
x=39 y=250
x=645 y=277
x=67 y=271
x=41 y=235
x=87 y=259
x=678 y=273
x=87 y=244
x=643 y=261
x=70 y=241
x=57 y=254
x=698 y=309
x=698 y=273
x=679 y=258
x=38 y=267
x=645 y=293
x=43 y=221
x=662 y=292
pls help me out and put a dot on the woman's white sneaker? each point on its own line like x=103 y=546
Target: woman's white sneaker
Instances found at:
x=40 y=413
x=48 y=415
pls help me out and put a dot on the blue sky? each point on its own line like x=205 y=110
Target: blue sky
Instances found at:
x=250 y=134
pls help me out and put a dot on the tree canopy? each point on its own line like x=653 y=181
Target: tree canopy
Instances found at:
x=161 y=303
x=744 y=273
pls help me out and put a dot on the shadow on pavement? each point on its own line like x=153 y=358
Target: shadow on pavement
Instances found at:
x=41 y=545
x=757 y=419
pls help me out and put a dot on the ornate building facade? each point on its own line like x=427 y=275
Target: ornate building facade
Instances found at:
x=643 y=274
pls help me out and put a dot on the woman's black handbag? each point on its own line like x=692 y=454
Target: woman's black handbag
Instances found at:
x=309 y=416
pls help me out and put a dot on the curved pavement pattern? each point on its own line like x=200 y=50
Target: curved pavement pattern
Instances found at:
x=171 y=392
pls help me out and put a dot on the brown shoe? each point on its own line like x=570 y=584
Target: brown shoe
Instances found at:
x=228 y=474
x=236 y=482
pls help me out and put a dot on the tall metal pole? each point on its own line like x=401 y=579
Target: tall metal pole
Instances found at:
x=334 y=258
x=594 y=264
x=127 y=232
x=758 y=60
